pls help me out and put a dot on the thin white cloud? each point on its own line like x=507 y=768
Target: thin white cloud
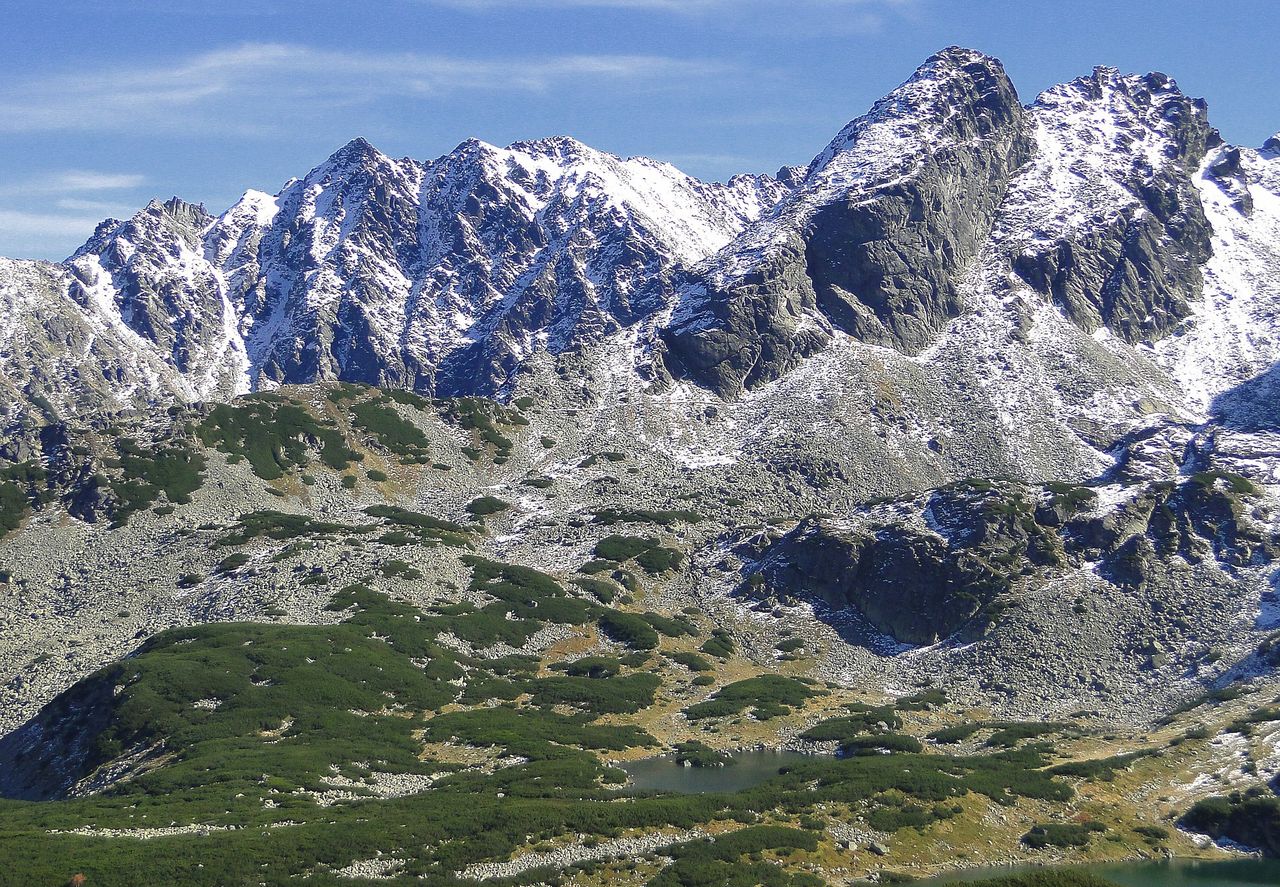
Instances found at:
x=244 y=90
x=71 y=182
x=89 y=180
x=17 y=225
x=49 y=214
x=104 y=208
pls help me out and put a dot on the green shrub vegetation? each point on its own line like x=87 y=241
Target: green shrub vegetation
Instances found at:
x=1152 y=834
x=21 y=485
x=955 y=733
x=861 y=719
x=284 y=527
x=1251 y=818
x=1102 y=769
x=422 y=528
x=1070 y=497
x=486 y=505
x=1062 y=834
x=524 y=599
x=720 y=644
x=13 y=506
x=610 y=515
x=592 y=667
x=629 y=629
x=397 y=568
x=623 y=548
x=876 y=743
x=648 y=552
x=735 y=860
x=1245 y=725
x=603 y=589
x=1236 y=483
x=767 y=696
x=274 y=437
x=1009 y=734
x=291 y=707
x=393 y=431
x=922 y=701
x=1005 y=734
x=691 y=661
x=677 y=627
x=484 y=418
x=175 y=469
x=617 y=694
x=232 y=562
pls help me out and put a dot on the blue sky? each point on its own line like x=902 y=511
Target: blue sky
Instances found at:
x=105 y=104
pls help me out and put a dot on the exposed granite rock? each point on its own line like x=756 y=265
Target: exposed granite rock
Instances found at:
x=917 y=580
x=162 y=296
x=1229 y=174
x=925 y=568
x=1134 y=264
x=872 y=242
x=884 y=268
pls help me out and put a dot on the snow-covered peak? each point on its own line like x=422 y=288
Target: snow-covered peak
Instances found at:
x=891 y=135
x=955 y=99
x=256 y=207
x=1105 y=219
x=356 y=156
x=693 y=218
x=449 y=275
x=1100 y=140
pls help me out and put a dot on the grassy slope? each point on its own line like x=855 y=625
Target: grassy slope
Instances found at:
x=250 y=730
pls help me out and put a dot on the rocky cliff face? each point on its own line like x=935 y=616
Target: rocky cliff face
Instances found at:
x=1107 y=220
x=873 y=240
x=455 y=275
x=923 y=568
x=440 y=276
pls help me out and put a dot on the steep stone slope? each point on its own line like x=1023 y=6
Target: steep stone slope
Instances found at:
x=1081 y=291
x=873 y=241
x=431 y=276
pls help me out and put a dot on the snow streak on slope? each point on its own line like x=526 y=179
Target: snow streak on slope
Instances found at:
x=1234 y=334
x=873 y=153
x=445 y=274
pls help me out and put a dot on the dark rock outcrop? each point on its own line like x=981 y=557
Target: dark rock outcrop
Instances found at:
x=909 y=582
x=1228 y=173
x=47 y=756
x=872 y=241
x=1134 y=264
x=947 y=562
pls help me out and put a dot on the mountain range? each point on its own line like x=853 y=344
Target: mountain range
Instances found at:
x=968 y=427
x=1109 y=202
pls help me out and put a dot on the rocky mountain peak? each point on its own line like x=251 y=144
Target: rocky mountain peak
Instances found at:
x=871 y=242
x=956 y=94
x=449 y=275
x=1118 y=243
x=358 y=152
